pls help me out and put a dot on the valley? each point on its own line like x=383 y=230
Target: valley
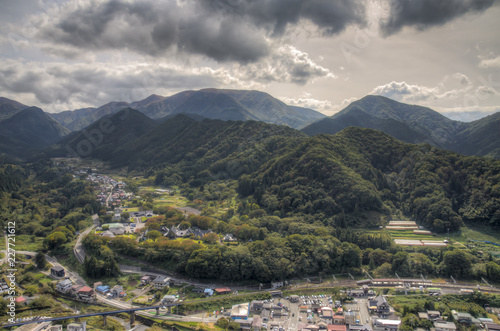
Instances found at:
x=196 y=205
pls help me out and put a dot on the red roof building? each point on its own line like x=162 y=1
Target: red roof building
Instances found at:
x=223 y=290
x=336 y=327
x=85 y=293
x=20 y=300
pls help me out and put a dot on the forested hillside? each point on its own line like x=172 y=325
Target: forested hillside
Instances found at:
x=338 y=179
x=415 y=124
x=45 y=203
x=360 y=170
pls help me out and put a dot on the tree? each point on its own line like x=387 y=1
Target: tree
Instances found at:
x=55 y=240
x=457 y=263
x=40 y=261
x=210 y=238
x=153 y=234
x=31 y=290
x=493 y=271
x=384 y=270
x=380 y=257
x=184 y=225
x=3 y=306
x=223 y=323
x=400 y=264
x=125 y=216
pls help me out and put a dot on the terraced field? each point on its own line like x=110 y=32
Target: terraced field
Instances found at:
x=407 y=233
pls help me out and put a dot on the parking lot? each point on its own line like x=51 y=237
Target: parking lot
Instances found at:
x=292 y=315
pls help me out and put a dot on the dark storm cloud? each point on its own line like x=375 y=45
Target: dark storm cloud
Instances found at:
x=329 y=16
x=423 y=14
x=155 y=28
x=224 y=30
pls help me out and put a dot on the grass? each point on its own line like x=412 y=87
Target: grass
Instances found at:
x=25 y=243
x=131 y=209
x=480 y=232
x=143 y=300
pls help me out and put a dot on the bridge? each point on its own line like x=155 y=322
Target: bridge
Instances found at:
x=130 y=311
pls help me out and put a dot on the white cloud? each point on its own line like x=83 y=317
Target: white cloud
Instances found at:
x=286 y=64
x=62 y=86
x=323 y=106
x=490 y=63
x=450 y=88
x=455 y=96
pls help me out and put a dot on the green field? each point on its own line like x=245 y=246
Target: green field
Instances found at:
x=29 y=243
x=408 y=234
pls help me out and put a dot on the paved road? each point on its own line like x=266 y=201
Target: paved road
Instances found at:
x=78 y=249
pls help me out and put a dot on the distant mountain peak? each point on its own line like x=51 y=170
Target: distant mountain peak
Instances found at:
x=414 y=124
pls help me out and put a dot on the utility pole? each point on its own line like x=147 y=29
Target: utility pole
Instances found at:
x=453 y=279
x=425 y=281
x=484 y=280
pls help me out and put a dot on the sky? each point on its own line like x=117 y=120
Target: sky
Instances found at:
x=321 y=54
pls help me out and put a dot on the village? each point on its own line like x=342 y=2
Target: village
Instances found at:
x=363 y=308
x=363 y=305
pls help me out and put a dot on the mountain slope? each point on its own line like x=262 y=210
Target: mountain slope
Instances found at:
x=267 y=109
x=104 y=136
x=81 y=118
x=209 y=103
x=359 y=118
x=415 y=124
x=9 y=107
x=481 y=137
x=27 y=131
x=359 y=171
x=203 y=150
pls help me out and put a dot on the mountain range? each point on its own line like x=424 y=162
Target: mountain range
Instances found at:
x=348 y=175
x=408 y=123
x=226 y=105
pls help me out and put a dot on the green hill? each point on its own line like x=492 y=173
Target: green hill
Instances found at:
x=481 y=137
x=362 y=170
x=9 y=107
x=415 y=124
x=28 y=131
x=204 y=150
x=104 y=136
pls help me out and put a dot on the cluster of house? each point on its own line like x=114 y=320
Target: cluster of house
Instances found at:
x=111 y=292
x=332 y=318
x=79 y=292
x=110 y=190
x=3 y=286
x=158 y=282
x=209 y=291
x=194 y=232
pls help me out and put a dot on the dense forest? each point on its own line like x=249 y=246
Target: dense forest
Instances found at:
x=44 y=202
x=359 y=170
